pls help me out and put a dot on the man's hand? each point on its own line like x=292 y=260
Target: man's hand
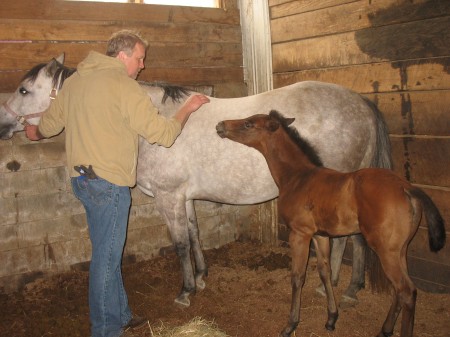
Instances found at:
x=32 y=132
x=192 y=104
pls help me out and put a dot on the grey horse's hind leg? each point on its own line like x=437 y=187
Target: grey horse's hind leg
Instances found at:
x=200 y=266
x=337 y=252
x=358 y=267
x=358 y=277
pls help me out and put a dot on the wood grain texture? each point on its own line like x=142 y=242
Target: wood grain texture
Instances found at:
x=127 y=12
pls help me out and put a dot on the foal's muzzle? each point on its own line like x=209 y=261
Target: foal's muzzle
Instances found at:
x=220 y=128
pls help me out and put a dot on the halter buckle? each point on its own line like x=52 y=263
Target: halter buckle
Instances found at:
x=53 y=93
x=22 y=120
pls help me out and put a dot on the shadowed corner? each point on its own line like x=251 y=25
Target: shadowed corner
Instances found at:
x=13 y=166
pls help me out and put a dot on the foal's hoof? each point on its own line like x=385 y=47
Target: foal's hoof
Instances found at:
x=182 y=302
x=330 y=327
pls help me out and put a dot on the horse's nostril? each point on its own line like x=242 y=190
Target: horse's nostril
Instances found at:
x=220 y=129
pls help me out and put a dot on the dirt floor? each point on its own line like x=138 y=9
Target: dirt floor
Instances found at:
x=247 y=294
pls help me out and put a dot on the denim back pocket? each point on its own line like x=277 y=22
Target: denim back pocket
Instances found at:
x=99 y=191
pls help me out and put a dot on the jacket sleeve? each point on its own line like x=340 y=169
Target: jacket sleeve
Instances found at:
x=145 y=119
x=52 y=120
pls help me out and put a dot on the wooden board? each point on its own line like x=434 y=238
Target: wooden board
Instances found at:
x=82 y=31
x=416 y=112
x=97 y=11
x=287 y=7
x=407 y=41
x=190 y=76
x=295 y=21
x=423 y=161
x=421 y=74
x=27 y=55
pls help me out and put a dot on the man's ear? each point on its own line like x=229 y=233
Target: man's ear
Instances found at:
x=121 y=56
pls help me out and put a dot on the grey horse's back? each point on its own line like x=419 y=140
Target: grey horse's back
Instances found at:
x=336 y=121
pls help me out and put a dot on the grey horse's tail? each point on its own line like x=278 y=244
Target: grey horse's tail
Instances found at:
x=381 y=159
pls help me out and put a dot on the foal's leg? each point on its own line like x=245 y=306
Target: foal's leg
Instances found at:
x=405 y=293
x=300 y=251
x=173 y=210
x=200 y=266
x=322 y=246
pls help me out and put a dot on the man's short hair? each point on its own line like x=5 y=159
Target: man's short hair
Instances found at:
x=124 y=40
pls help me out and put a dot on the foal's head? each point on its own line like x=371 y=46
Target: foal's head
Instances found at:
x=252 y=130
x=257 y=129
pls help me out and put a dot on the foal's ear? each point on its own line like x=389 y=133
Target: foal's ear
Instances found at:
x=289 y=121
x=273 y=125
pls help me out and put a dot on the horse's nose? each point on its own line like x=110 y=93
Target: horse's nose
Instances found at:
x=220 y=128
x=6 y=131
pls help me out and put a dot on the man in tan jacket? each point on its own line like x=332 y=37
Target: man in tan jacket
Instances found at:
x=103 y=111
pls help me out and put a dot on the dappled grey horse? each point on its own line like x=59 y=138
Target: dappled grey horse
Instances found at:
x=346 y=129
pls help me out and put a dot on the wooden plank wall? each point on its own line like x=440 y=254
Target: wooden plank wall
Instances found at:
x=42 y=225
x=398 y=54
x=188 y=46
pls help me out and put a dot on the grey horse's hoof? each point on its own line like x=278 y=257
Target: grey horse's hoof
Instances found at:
x=321 y=290
x=348 y=302
x=200 y=285
x=182 y=302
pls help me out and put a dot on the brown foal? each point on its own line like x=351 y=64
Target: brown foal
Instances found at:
x=318 y=203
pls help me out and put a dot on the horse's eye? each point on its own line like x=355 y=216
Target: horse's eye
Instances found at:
x=247 y=125
x=23 y=91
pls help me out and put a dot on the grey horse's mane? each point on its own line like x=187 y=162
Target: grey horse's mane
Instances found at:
x=293 y=133
x=175 y=92
x=62 y=72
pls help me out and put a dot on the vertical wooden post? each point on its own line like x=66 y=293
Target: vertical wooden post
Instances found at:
x=257 y=50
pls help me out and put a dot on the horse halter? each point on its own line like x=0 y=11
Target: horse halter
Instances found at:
x=23 y=119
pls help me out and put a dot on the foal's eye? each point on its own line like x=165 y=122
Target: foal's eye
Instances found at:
x=23 y=91
x=247 y=125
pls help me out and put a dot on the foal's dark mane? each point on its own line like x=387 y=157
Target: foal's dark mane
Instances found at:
x=302 y=143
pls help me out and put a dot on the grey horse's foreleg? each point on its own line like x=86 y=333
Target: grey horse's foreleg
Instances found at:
x=174 y=212
x=201 y=268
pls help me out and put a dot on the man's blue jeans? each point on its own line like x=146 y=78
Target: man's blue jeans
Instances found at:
x=107 y=209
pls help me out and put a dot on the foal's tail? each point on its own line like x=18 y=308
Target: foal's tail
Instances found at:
x=436 y=227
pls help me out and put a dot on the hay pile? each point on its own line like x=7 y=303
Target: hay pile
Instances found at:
x=197 y=327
